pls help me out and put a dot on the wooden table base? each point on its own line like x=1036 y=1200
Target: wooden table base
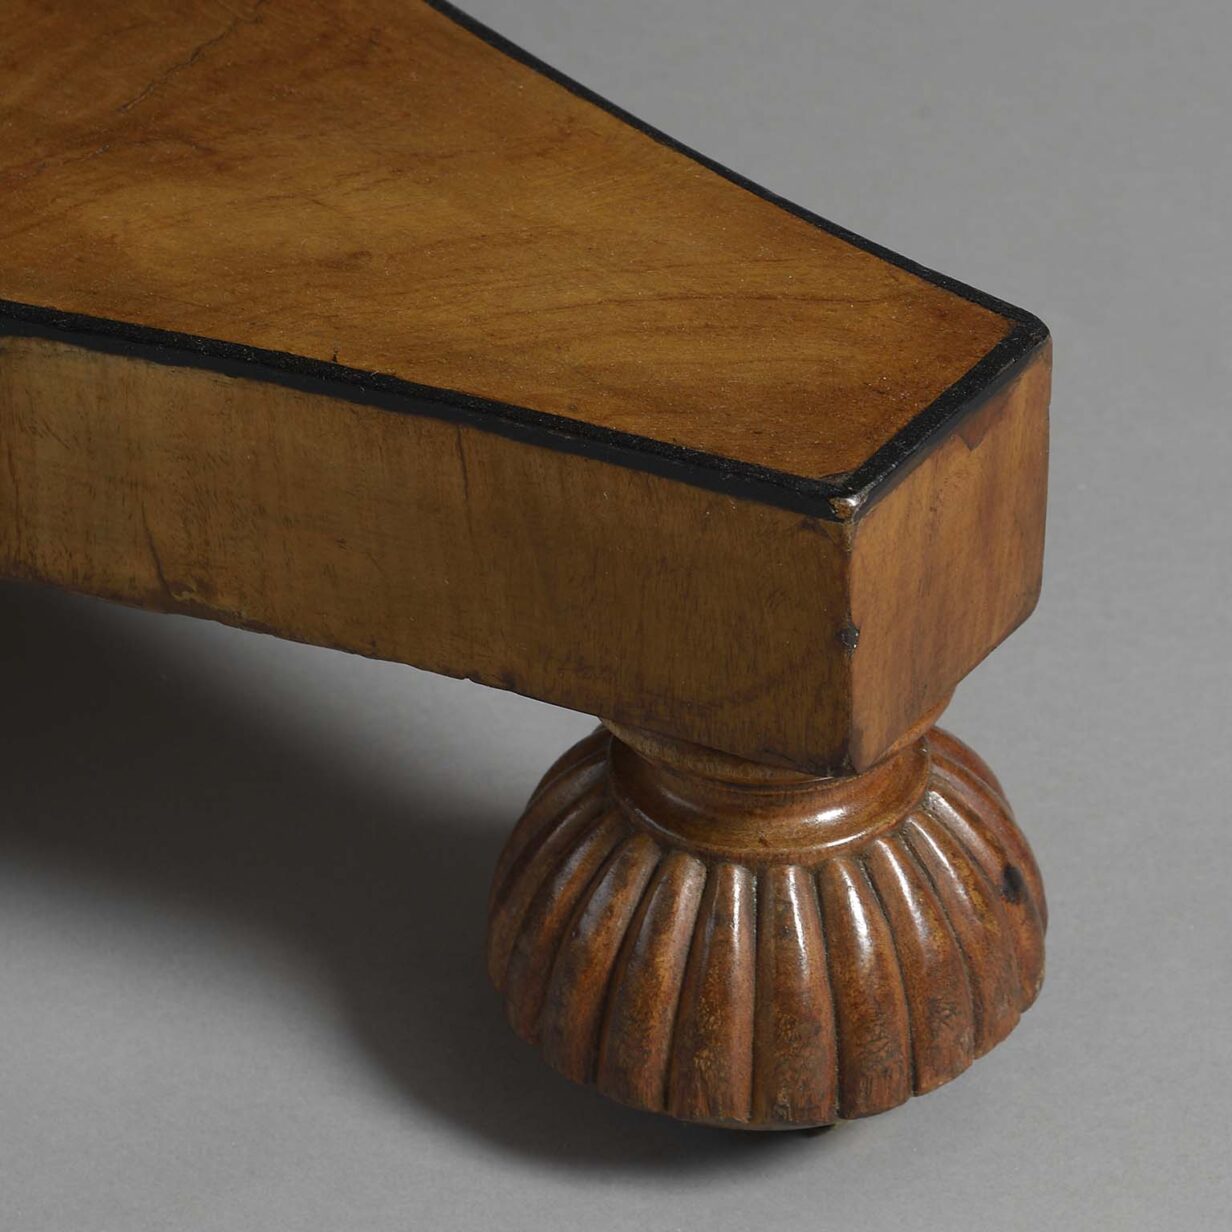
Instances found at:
x=352 y=323
x=739 y=945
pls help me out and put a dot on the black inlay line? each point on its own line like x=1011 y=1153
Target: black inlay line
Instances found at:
x=833 y=497
x=989 y=374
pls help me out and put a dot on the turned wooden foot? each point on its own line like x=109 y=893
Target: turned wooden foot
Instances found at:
x=741 y=945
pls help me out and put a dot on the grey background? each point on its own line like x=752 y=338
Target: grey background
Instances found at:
x=242 y=882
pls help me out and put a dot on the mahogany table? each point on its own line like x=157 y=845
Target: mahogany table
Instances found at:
x=354 y=324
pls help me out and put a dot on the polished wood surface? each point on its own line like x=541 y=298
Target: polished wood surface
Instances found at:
x=732 y=623
x=371 y=185
x=606 y=589
x=947 y=564
x=757 y=949
x=352 y=324
x=349 y=324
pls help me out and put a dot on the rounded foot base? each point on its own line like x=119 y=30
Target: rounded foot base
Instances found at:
x=738 y=945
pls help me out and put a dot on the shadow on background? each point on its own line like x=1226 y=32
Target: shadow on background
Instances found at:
x=156 y=776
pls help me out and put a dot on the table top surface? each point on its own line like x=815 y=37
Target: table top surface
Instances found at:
x=386 y=194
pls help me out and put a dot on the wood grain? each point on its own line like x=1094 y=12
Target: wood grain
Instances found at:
x=405 y=240
x=349 y=323
x=408 y=538
x=616 y=592
x=950 y=561
x=371 y=184
x=765 y=979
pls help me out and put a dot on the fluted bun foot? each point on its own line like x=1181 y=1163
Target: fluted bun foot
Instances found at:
x=744 y=946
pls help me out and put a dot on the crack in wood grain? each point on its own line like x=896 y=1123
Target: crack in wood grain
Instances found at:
x=193 y=56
